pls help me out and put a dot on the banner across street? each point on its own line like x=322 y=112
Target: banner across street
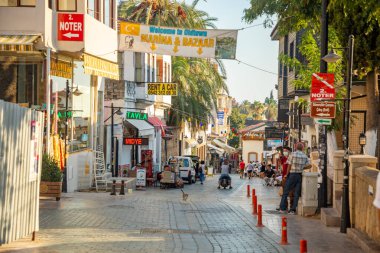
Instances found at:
x=178 y=41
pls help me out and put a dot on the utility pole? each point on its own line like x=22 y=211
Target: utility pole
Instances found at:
x=112 y=143
x=322 y=189
x=64 y=185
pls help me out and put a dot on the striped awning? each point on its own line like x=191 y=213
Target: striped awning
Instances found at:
x=99 y=67
x=17 y=42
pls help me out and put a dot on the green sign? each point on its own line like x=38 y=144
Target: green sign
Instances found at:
x=137 y=115
x=63 y=114
x=326 y=122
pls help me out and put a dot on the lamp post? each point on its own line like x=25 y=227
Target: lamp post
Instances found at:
x=345 y=217
x=362 y=142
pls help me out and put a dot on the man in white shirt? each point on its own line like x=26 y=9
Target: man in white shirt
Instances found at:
x=376 y=202
x=225 y=173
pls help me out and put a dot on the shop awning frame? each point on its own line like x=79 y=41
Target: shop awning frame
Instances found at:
x=224 y=146
x=143 y=126
x=24 y=43
x=219 y=151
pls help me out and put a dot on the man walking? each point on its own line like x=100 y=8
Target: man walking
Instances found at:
x=241 y=167
x=297 y=161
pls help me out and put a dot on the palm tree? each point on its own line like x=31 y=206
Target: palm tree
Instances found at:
x=199 y=80
x=257 y=109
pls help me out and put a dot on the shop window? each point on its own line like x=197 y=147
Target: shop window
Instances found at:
x=67 y=5
x=108 y=13
x=16 y=3
x=27 y=84
x=93 y=7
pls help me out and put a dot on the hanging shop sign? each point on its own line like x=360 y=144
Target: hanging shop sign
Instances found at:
x=136 y=141
x=326 y=122
x=166 y=89
x=62 y=114
x=98 y=67
x=60 y=68
x=70 y=26
x=136 y=115
x=306 y=120
x=323 y=110
x=220 y=116
x=322 y=87
x=178 y=41
x=274 y=133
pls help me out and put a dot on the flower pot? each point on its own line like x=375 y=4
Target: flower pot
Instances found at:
x=51 y=189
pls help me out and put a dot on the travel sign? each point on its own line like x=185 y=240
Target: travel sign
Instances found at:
x=322 y=87
x=324 y=110
x=70 y=26
x=178 y=41
x=136 y=115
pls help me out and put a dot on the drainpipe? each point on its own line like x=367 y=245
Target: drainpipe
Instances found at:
x=48 y=99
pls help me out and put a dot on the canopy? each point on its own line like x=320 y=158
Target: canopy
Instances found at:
x=143 y=126
x=193 y=143
x=18 y=42
x=219 y=151
x=224 y=146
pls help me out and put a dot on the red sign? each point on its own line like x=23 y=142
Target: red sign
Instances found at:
x=323 y=110
x=136 y=141
x=70 y=27
x=322 y=87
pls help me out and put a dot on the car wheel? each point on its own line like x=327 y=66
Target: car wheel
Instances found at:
x=190 y=179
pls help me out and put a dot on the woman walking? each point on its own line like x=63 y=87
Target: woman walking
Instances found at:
x=202 y=171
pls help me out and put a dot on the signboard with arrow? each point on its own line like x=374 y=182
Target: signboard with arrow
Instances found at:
x=322 y=87
x=324 y=110
x=70 y=26
x=326 y=122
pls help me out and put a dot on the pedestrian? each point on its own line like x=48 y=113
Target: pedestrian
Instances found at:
x=269 y=175
x=225 y=175
x=250 y=169
x=284 y=172
x=241 y=167
x=297 y=161
x=202 y=171
x=376 y=202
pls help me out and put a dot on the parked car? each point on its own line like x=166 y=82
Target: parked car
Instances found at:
x=185 y=167
x=195 y=159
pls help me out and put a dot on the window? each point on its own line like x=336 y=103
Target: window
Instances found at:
x=66 y=5
x=280 y=68
x=108 y=13
x=93 y=8
x=16 y=3
x=50 y=4
x=291 y=54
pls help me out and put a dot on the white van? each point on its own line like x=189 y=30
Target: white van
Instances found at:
x=185 y=167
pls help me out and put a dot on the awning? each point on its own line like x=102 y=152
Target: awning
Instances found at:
x=99 y=67
x=224 y=146
x=144 y=127
x=157 y=123
x=18 y=42
x=193 y=143
x=219 y=151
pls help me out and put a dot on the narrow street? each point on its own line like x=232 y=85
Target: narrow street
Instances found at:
x=159 y=220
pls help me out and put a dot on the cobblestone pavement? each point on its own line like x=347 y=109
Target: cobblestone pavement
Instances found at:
x=158 y=220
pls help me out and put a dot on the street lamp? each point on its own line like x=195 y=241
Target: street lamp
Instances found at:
x=345 y=217
x=75 y=92
x=362 y=142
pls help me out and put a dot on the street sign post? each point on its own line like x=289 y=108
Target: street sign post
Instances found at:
x=324 y=110
x=325 y=122
x=322 y=87
x=70 y=27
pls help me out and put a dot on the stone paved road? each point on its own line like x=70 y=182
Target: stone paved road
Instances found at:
x=155 y=220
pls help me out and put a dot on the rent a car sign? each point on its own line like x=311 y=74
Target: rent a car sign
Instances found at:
x=70 y=27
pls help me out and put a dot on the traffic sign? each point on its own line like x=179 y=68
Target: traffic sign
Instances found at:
x=322 y=87
x=326 y=122
x=70 y=26
x=323 y=110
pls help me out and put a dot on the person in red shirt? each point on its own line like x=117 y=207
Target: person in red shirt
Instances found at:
x=284 y=164
x=242 y=167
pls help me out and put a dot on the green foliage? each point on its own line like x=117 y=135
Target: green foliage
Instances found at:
x=50 y=170
x=199 y=80
x=237 y=119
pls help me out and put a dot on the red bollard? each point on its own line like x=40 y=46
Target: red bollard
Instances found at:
x=303 y=246
x=284 y=232
x=253 y=192
x=254 y=200
x=259 y=217
x=248 y=190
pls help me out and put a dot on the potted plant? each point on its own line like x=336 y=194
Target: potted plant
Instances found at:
x=51 y=178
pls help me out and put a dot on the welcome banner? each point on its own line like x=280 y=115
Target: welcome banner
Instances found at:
x=178 y=41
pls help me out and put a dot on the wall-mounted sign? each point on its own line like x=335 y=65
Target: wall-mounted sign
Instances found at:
x=323 y=110
x=326 y=122
x=136 y=115
x=322 y=87
x=220 y=116
x=136 y=141
x=70 y=26
x=166 y=89
x=178 y=41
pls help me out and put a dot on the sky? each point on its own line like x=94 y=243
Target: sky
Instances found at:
x=254 y=47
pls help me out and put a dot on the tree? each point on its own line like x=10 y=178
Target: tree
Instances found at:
x=237 y=121
x=199 y=80
x=257 y=109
